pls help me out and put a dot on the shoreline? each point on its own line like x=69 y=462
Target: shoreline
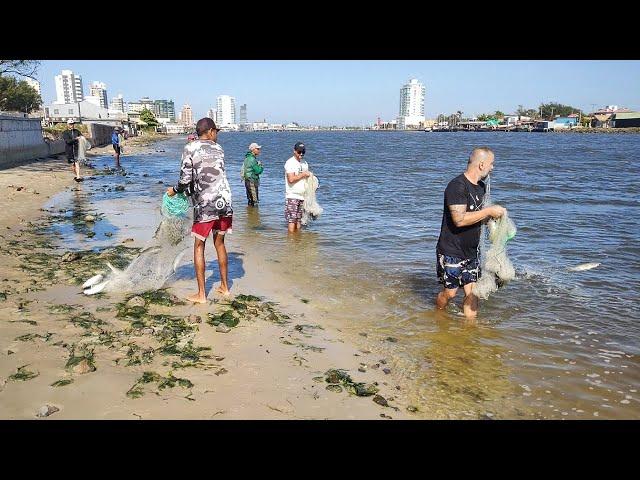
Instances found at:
x=73 y=353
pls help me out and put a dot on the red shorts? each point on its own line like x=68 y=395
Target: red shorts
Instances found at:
x=203 y=229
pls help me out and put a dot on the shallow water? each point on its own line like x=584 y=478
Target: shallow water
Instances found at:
x=552 y=344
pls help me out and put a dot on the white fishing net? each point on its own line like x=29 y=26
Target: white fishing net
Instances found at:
x=154 y=265
x=495 y=267
x=310 y=207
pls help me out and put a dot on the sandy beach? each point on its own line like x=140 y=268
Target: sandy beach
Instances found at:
x=64 y=355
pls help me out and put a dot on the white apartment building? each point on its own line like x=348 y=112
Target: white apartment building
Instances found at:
x=412 y=97
x=225 y=110
x=68 y=88
x=99 y=89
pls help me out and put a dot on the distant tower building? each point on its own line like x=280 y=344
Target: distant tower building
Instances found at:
x=147 y=103
x=117 y=103
x=164 y=109
x=211 y=113
x=226 y=110
x=243 y=114
x=186 y=115
x=411 y=104
x=99 y=89
x=34 y=84
x=68 y=87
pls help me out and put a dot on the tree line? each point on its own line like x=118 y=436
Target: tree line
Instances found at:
x=18 y=95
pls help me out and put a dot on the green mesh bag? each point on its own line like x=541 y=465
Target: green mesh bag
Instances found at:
x=175 y=206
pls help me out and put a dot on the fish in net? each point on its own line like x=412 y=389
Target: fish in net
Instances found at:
x=495 y=267
x=159 y=258
x=311 y=210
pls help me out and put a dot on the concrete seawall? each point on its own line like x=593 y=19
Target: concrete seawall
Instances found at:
x=21 y=140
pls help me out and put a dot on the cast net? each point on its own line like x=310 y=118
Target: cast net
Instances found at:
x=310 y=207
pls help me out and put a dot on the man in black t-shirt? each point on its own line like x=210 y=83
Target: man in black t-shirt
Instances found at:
x=462 y=216
x=70 y=137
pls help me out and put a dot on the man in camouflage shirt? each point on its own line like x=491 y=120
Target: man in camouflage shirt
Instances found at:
x=202 y=176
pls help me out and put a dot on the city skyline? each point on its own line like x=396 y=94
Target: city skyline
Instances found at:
x=358 y=92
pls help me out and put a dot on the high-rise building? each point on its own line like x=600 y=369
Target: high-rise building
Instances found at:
x=164 y=109
x=186 y=115
x=147 y=103
x=68 y=87
x=226 y=110
x=117 y=103
x=243 y=114
x=99 y=89
x=211 y=113
x=411 y=104
x=33 y=84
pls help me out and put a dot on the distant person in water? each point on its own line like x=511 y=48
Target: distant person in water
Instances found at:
x=115 y=143
x=295 y=171
x=71 y=147
x=252 y=168
x=202 y=176
x=462 y=216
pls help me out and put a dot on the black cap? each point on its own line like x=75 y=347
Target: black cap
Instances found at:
x=299 y=147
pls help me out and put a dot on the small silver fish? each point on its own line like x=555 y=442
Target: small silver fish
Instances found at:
x=583 y=266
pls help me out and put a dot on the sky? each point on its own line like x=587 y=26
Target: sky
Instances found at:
x=357 y=92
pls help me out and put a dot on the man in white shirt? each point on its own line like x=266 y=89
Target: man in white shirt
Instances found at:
x=296 y=170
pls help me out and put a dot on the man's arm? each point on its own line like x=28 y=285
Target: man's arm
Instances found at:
x=293 y=177
x=186 y=174
x=462 y=218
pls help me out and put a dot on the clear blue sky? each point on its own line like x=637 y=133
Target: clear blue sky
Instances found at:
x=348 y=92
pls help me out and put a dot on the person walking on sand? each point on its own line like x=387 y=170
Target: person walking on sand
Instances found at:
x=72 y=144
x=115 y=142
x=296 y=170
x=457 y=249
x=251 y=169
x=203 y=177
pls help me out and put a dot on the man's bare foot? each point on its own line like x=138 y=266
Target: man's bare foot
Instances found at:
x=197 y=298
x=223 y=291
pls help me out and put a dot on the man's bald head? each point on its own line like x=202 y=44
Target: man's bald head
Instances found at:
x=480 y=154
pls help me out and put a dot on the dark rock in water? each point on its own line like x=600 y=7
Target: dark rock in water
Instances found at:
x=391 y=339
x=387 y=371
x=119 y=188
x=334 y=388
x=383 y=361
x=159 y=182
x=47 y=410
x=380 y=400
x=91 y=234
x=145 y=174
x=71 y=257
x=412 y=409
x=362 y=369
x=108 y=234
x=362 y=334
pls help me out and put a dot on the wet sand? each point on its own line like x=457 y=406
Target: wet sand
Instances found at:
x=272 y=365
